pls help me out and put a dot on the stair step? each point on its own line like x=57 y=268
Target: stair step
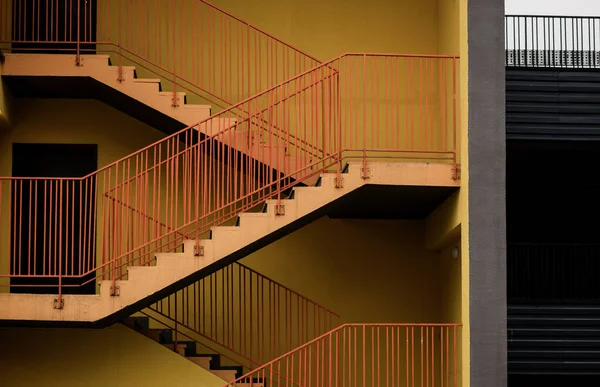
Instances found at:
x=138 y=323
x=180 y=348
x=146 y=80
x=227 y=375
x=196 y=107
x=202 y=361
x=170 y=94
x=161 y=336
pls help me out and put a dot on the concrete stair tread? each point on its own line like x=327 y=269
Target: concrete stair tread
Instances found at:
x=129 y=68
x=196 y=106
x=202 y=361
x=146 y=80
x=170 y=94
x=227 y=375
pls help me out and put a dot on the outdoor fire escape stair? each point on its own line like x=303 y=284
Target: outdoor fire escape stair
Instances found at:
x=226 y=244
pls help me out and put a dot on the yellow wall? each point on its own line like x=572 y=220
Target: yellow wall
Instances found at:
x=75 y=122
x=464 y=192
x=114 y=356
x=448 y=23
x=328 y=28
x=365 y=270
x=369 y=271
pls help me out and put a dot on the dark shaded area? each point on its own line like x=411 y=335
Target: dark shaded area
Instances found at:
x=391 y=202
x=62 y=22
x=553 y=262
x=86 y=87
x=552 y=192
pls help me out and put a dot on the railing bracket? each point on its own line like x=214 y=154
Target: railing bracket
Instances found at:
x=279 y=210
x=78 y=61
x=366 y=173
x=456 y=172
x=120 y=76
x=339 y=182
x=199 y=251
x=59 y=303
x=115 y=291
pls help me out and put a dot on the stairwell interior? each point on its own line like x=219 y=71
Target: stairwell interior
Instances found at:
x=217 y=143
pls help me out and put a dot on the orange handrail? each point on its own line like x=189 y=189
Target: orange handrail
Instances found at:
x=226 y=306
x=372 y=354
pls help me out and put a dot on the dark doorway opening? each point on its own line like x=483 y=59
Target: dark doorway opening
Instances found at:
x=43 y=26
x=54 y=219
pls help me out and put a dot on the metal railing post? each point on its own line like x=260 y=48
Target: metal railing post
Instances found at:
x=364 y=93
x=120 y=76
x=176 y=339
x=174 y=103
x=455 y=166
x=338 y=99
x=78 y=56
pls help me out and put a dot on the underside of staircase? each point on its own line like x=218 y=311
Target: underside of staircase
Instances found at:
x=57 y=76
x=225 y=244
x=189 y=350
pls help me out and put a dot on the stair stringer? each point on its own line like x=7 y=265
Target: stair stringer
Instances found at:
x=147 y=284
x=146 y=91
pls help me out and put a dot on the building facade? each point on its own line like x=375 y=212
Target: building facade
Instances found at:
x=275 y=193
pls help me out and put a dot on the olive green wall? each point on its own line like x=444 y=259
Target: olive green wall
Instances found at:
x=114 y=356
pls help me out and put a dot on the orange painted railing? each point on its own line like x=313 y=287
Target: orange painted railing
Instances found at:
x=368 y=355
x=357 y=106
x=244 y=315
x=191 y=45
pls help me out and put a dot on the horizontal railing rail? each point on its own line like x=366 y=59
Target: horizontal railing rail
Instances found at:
x=383 y=354
x=552 y=41
x=354 y=107
x=192 y=45
x=245 y=314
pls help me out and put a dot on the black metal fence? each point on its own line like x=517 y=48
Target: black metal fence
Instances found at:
x=552 y=41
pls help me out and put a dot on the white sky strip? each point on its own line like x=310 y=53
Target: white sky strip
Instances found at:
x=553 y=7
